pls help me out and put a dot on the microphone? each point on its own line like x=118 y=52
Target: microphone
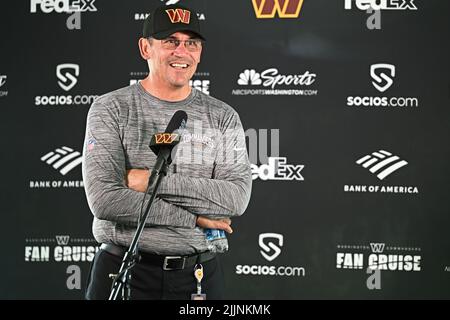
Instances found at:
x=162 y=144
x=178 y=121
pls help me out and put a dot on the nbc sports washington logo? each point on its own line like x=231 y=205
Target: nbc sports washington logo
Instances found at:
x=272 y=82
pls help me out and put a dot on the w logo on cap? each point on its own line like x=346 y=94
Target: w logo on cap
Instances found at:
x=179 y=15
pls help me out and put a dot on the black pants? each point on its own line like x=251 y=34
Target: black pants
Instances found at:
x=152 y=282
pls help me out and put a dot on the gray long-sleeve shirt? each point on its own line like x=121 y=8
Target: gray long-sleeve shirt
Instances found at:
x=210 y=174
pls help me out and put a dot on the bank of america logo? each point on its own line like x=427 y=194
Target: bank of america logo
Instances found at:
x=63 y=159
x=381 y=163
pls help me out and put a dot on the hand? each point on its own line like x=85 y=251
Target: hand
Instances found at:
x=222 y=224
x=137 y=179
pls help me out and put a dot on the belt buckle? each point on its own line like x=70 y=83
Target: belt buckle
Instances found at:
x=167 y=259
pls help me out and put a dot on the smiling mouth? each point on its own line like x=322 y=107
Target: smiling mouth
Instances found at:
x=179 y=65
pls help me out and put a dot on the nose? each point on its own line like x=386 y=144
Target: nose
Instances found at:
x=181 y=49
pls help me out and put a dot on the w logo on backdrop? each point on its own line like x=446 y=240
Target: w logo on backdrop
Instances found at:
x=63 y=159
x=284 y=8
x=179 y=15
x=62 y=240
x=381 y=163
x=377 y=247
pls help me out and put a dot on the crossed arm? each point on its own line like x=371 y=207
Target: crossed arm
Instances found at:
x=115 y=194
x=137 y=180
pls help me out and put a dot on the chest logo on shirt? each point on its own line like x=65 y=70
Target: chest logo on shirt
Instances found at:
x=198 y=138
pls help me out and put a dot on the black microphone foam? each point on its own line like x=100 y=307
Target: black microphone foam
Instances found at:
x=163 y=144
x=178 y=121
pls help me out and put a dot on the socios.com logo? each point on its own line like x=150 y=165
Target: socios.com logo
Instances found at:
x=382 y=74
x=67 y=73
x=270 y=250
x=67 y=77
x=270 y=244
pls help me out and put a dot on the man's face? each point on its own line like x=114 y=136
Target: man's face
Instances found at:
x=174 y=66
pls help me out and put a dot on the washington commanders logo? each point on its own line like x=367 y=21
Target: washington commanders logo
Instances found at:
x=179 y=15
x=284 y=8
x=165 y=138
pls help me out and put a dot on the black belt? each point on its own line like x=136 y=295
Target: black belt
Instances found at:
x=166 y=262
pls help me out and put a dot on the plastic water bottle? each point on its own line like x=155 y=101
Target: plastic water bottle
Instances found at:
x=217 y=240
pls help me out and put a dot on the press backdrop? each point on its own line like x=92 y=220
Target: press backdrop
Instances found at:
x=349 y=108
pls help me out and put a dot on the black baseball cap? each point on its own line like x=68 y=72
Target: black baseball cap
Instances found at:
x=166 y=20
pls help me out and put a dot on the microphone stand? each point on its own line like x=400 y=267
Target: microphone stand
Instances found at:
x=122 y=279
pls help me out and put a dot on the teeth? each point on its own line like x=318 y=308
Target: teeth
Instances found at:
x=180 y=65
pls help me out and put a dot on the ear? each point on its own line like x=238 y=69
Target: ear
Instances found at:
x=145 y=48
x=199 y=56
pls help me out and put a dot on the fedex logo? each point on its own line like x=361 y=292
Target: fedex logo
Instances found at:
x=60 y=6
x=277 y=169
x=381 y=4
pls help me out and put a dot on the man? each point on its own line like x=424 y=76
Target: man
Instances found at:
x=208 y=182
